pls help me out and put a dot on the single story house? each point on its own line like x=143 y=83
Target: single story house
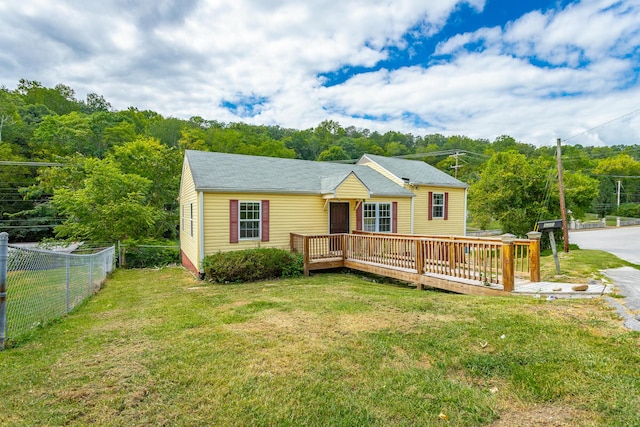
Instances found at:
x=232 y=201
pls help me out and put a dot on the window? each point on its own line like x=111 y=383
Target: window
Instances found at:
x=376 y=217
x=249 y=221
x=437 y=205
x=191 y=217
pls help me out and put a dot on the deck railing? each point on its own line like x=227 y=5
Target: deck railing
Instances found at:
x=490 y=261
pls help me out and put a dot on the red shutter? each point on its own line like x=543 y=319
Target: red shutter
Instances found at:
x=265 y=220
x=430 y=205
x=233 y=221
x=446 y=206
x=394 y=217
x=359 y=217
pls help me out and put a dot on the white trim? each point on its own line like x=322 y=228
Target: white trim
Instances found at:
x=377 y=216
x=464 y=230
x=433 y=204
x=259 y=203
x=201 y=229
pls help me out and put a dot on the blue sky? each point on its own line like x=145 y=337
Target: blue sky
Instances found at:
x=535 y=70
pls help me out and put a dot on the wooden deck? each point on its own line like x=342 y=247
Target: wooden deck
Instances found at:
x=468 y=265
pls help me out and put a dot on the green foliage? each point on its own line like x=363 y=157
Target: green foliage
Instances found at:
x=251 y=265
x=629 y=210
x=579 y=192
x=147 y=253
x=108 y=205
x=512 y=190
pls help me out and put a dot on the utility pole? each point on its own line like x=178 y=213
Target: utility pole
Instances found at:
x=563 y=209
x=457 y=166
x=619 y=185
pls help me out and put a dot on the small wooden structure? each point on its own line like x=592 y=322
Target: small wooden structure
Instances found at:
x=468 y=265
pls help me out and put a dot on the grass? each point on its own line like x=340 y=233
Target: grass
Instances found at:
x=578 y=265
x=159 y=348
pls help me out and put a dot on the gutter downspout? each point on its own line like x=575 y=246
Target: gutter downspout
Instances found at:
x=201 y=231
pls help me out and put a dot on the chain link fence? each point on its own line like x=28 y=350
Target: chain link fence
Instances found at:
x=43 y=285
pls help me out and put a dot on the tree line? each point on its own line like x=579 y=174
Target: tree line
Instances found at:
x=117 y=173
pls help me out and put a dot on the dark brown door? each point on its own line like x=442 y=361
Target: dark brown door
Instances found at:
x=338 y=224
x=339 y=218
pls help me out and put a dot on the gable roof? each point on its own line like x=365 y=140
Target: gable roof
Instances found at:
x=223 y=172
x=418 y=172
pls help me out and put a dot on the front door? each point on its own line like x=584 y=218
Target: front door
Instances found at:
x=339 y=218
x=338 y=223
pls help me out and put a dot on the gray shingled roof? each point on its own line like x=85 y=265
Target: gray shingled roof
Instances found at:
x=416 y=171
x=222 y=172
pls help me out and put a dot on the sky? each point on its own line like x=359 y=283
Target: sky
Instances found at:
x=535 y=70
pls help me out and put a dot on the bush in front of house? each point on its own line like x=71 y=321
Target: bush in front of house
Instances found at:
x=251 y=265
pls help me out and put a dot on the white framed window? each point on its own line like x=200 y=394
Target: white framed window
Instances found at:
x=249 y=221
x=376 y=217
x=191 y=218
x=437 y=207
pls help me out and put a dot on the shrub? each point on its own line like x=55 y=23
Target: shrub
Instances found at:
x=629 y=210
x=150 y=253
x=251 y=265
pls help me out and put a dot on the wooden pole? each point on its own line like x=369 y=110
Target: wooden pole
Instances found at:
x=305 y=254
x=508 y=272
x=563 y=209
x=534 y=255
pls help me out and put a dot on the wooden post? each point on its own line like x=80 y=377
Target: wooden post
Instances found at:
x=419 y=262
x=344 y=246
x=452 y=255
x=534 y=255
x=305 y=254
x=291 y=248
x=508 y=272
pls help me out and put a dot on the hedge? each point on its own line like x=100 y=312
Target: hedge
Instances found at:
x=251 y=265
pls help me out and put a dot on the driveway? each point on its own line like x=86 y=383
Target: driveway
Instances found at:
x=623 y=242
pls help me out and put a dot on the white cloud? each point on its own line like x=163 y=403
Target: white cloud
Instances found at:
x=187 y=58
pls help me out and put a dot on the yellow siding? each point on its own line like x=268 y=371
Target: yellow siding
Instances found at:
x=454 y=225
x=304 y=214
x=189 y=244
x=376 y=167
x=352 y=188
x=297 y=213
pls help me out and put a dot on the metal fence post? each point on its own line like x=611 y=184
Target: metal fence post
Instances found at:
x=68 y=268
x=4 y=248
x=91 y=275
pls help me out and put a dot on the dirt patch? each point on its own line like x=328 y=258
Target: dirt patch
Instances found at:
x=546 y=416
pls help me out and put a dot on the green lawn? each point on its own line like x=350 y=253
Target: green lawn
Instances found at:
x=159 y=348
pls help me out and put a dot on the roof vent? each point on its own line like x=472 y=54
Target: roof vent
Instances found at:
x=406 y=180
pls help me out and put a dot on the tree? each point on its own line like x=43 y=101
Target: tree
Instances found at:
x=333 y=153
x=63 y=135
x=579 y=191
x=109 y=205
x=160 y=165
x=512 y=190
x=8 y=110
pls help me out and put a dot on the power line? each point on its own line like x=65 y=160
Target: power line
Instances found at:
x=12 y=163
x=601 y=125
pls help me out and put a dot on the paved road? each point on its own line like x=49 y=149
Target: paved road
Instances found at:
x=623 y=242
